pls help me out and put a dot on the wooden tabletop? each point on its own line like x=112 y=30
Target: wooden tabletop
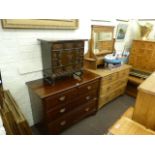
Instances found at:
x=105 y=71
x=148 y=85
x=43 y=89
x=126 y=126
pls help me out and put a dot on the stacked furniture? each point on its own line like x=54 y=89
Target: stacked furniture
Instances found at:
x=142 y=58
x=67 y=93
x=141 y=118
x=113 y=83
x=58 y=106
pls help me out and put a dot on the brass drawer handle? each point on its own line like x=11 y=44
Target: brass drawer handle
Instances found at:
x=87 y=109
x=62 y=110
x=62 y=98
x=88 y=98
x=63 y=123
x=95 y=99
x=89 y=87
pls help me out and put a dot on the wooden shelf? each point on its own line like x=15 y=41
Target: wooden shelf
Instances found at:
x=103 y=53
x=135 y=80
x=90 y=59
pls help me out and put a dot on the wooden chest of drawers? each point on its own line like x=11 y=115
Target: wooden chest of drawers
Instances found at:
x=113 y=83
x=65 y=102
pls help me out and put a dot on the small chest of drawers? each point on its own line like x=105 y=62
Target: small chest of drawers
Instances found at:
x=65 y=102
x=113 y=83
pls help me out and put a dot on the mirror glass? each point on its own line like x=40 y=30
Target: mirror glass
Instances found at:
x=100 y=37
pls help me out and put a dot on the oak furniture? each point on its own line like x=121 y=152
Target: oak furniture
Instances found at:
x=56 y=107
x=144 y=111
x=126 y=126
x=13 y=119
x=142 y=58
x=141 y=118
x=61 y=58
x=113 y=83
x=101 y=43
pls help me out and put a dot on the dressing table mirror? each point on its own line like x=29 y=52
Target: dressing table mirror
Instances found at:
x=101 y=43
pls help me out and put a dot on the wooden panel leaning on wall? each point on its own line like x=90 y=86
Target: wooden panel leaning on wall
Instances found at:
x=13 y=119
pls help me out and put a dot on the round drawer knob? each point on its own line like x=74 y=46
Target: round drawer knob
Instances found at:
x=63 y=123
x=62 y=110
x=88 y=98
x=62 y=98
x=89 y=87
x=95 y=99
x=87 y=109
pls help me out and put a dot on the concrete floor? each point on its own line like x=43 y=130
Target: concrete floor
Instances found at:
x=99 y=123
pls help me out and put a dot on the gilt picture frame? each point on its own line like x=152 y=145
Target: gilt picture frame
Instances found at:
x=70 y=24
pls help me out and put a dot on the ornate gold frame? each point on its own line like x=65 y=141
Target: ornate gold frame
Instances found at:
x=40 y=23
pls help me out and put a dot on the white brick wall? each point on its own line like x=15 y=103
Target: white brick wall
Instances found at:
x=20 y=58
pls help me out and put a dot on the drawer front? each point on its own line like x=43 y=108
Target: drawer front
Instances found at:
x=91 y=96
x=105 y=99
x=112 y=87
x=57 y=46
x=59 y=111
x=88 y=87
x=69 y=119
x=79 y=44
x=109 y=78
x=59 y=99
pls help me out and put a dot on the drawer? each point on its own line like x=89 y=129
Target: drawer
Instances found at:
x=61 y=98
x=105 y=99
x=88 y=87
x=71 y=118
x=109 y=88
x=57 y=46
x=69 y=45
x=62 y=110
x=109 y=78
x=57 y=112
x=91 y=96
x=79 y=44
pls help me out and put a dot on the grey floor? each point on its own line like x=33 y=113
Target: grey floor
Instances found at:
x=99 y=123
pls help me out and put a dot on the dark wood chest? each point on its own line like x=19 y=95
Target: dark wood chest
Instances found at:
x=61 y=58
x=65 y=102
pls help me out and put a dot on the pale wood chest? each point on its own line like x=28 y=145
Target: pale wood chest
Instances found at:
x=113 y=83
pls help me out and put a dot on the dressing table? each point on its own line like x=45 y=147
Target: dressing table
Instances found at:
x=101 y=43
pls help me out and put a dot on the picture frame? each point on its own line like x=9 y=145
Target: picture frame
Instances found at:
x=121 y=31
x=70 y=24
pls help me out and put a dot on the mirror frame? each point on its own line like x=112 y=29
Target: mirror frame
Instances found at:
x=100 y=28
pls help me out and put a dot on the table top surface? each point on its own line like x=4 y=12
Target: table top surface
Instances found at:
x=43 y=89
x=148 y=85
x=105 y=71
